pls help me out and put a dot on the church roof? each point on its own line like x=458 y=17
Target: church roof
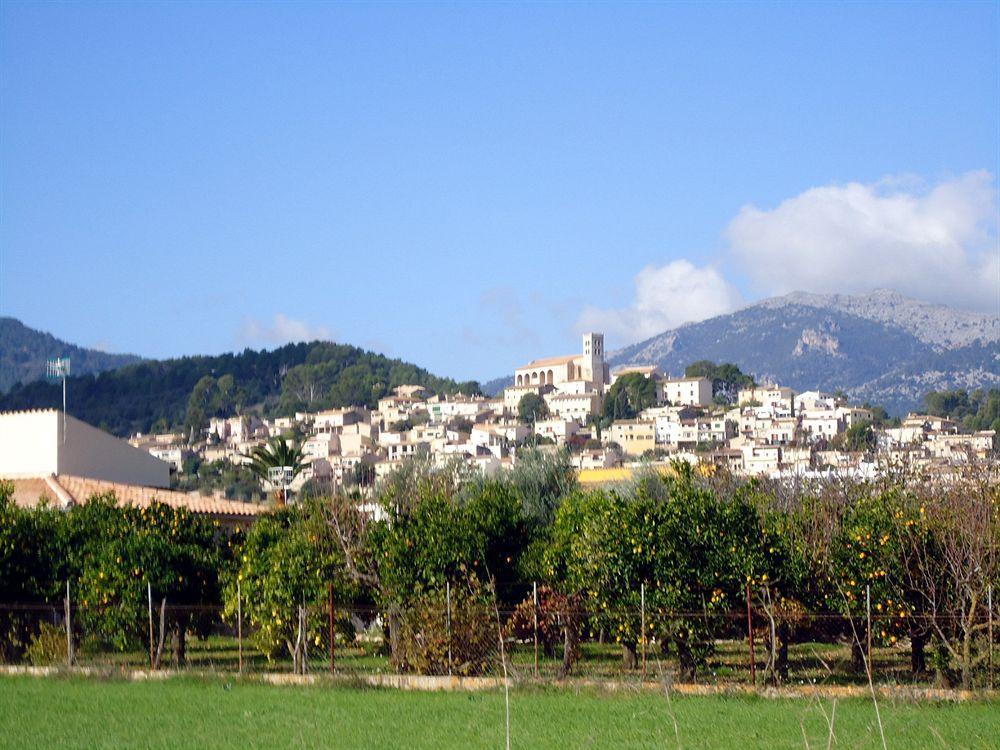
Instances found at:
x=549 y=361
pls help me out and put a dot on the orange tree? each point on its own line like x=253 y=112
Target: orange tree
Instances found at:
x=949 y=536
x=115 y=552
x=32 y=555
x=691 y=551
x=432 y=531
x=865 y=573
x=787 y=574
x=285 y=561
x=32 y=568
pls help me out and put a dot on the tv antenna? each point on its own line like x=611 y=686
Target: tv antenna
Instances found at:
x=58 y=368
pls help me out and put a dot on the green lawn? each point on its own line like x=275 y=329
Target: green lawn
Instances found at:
x=217 y=713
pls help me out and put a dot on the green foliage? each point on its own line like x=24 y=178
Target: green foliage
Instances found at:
x=335 y=375
x=438 y=539
x=541 y=479
x=423 y=644
x=880 y=417
x=286 y=560
x=291 y=378
x=531 y=408
x=860 y=436
x=865 y=560
x=691 y=550
x=32 y=551
x=235 y=481
x=727 y=379
x=630 y=394
x=277 y=452
x=211 y=397
x=978 y=410
x=114 y=552
x=48 y=646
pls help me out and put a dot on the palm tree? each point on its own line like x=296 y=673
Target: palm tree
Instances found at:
x=276 y=452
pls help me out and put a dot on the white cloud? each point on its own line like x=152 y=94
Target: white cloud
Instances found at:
x=665 y=297
x=282 y=330
x=938 y=244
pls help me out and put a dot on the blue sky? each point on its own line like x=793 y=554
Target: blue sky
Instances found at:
x=469 y=186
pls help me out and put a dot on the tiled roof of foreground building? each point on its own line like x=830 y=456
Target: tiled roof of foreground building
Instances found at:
x=64 y=490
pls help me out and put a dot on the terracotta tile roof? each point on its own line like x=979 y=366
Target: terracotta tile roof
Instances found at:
x=31 y=492
x=27 y=493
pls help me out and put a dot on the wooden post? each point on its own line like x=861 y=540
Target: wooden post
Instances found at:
x=69 y=629
x=868 y=618
x=149 y=604
x=447 y=594
x=753 y=662
x=333 y=633
x=239 y=623
x=534 y=588
x=642 y=624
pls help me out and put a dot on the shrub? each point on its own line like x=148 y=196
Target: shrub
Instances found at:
x=48 y=646
x=521 y=624
x=423 y=639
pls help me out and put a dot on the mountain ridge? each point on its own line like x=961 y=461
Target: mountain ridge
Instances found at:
x=881 y=347
x=939 y=325
x=25 y=350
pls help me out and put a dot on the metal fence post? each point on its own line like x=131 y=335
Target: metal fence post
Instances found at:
x=333 y=634
x=149 y=606
x=447 y=594
x=989 y=629
x=304 y=620
x=868 y=617
x=642 y=624
x=753 y=661
x=239 y=623
x=534 y=589
x=69 y=629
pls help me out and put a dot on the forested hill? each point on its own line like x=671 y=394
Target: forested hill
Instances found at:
x=174 y=393
x=24 y=351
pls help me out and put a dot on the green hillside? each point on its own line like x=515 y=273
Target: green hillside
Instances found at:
x=24 y=351
x=171 y=394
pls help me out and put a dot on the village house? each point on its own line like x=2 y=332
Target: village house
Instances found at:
x=633 y=436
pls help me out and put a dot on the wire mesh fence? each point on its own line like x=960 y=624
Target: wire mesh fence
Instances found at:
x=542 y=637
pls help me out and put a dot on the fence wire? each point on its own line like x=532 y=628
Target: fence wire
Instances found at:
x=455 y=636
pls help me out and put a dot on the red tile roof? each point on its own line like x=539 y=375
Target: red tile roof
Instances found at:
x=65 y=489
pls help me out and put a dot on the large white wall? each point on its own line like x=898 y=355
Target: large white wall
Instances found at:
x=31 y=444
x=28 y=444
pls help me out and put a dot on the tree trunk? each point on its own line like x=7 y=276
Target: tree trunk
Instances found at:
x=685 y=660
x=858 y=653
x=571 y=642
x=391 y=631
x=180 y=640
x=630 y=659
x=918 y=656
x=163 y=633
x=784 y=636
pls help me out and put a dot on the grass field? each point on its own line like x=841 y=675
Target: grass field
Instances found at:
x=60 y=712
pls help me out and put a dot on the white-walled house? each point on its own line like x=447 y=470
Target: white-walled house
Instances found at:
x=35 y=444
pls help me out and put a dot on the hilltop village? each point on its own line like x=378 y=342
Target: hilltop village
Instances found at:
x=610 y=421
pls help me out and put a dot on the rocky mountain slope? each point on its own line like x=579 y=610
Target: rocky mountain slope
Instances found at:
x=881 y=347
